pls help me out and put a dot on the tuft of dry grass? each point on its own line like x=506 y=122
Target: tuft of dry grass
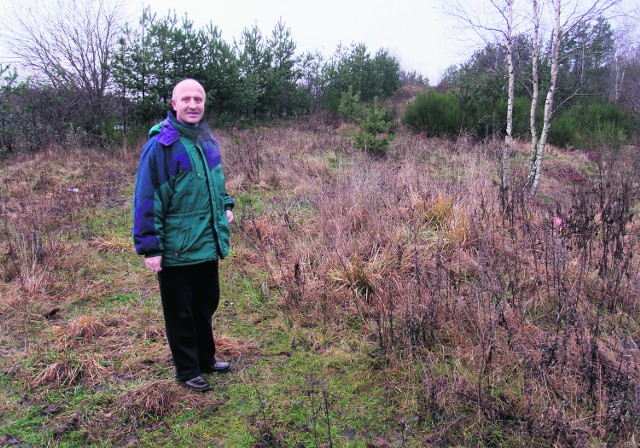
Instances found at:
x=233 y=348
x=70 y=369
x=112 y=243
x=87 y=327
x=154 y=399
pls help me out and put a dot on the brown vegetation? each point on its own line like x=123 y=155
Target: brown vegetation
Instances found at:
x=522 y=318
x=495 y=325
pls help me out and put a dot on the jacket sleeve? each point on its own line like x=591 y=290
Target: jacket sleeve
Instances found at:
x=148 y=210
x=228 y=201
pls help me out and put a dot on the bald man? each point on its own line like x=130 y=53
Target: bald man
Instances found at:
x=181 y=223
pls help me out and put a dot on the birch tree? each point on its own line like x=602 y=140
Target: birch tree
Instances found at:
x=535 y=83
x=566 y=15
x=508 y=139
x=502 y=31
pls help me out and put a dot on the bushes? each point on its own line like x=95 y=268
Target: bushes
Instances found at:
x=444 y=114
x=586 y=124
x=521 y=116
x=435 y=114
x=592 y=123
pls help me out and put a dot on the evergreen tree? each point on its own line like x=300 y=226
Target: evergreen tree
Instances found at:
x=311 y=83
x=8 y=123
x=387 y=73
x=282 y=95
x=255 y=64
x=369 y=77
x=586 y=53
x=221 y=75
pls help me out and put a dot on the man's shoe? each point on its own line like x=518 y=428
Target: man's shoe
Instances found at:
x=218 y=367
x=198 y=384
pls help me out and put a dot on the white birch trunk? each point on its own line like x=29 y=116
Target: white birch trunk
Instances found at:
x=535 y=90
x=508 y=139
x=536 y=169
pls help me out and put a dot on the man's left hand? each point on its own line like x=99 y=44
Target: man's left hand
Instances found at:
x=229 y=216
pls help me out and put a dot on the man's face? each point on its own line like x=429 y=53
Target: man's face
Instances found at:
x=188 y=102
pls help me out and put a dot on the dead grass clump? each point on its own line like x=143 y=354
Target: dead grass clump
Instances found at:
x=233 y=348
x=112 y=243
x=87 y=327
x=155 y=399
x=438 y=211
x=450 y=222
x=70 y=369
x=362 y=276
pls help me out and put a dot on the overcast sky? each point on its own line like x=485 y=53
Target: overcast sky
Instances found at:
x=417 y=32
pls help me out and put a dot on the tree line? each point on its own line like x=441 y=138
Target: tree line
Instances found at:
x=594 y=72
x=577 y=86
x=91 y=75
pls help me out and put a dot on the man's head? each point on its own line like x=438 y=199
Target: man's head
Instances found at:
x=188 y=101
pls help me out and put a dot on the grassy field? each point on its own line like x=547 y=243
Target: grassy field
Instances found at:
x=367 y=302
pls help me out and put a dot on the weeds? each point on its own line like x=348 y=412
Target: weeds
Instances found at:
x=483 y=320
x=513 y=285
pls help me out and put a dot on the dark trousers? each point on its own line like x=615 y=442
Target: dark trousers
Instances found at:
x=190 y=296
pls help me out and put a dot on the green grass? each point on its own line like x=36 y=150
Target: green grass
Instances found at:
x=305 y=374
x=296 y=383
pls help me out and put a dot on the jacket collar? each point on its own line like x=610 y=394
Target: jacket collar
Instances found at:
x=171 y=130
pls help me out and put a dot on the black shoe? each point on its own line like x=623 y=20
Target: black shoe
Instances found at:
x=198 y=384
x=218 y=367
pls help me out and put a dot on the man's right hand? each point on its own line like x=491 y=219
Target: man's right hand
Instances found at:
x=154 y=263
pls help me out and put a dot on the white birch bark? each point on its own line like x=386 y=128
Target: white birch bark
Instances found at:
x=535 y=171
x=535 y=89
x=508 y=139
x=577 y=12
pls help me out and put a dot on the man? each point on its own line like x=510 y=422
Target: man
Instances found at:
x=181 y=225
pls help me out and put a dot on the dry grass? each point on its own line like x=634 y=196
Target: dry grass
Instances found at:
x=70 y=369
x=418 y=248
x=493 y=327
x=154 y=399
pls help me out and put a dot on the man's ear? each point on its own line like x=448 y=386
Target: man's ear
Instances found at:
x=173 y=104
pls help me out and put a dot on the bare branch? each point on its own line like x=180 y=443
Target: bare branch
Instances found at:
x=65 y=42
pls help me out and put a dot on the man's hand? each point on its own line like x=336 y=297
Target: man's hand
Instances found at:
x=229 y=216
x=154 y=263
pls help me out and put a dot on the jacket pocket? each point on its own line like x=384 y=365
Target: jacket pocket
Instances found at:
x=184 y=241
x=190 y=237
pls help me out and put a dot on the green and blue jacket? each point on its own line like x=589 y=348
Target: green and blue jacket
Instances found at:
x=180 y=201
